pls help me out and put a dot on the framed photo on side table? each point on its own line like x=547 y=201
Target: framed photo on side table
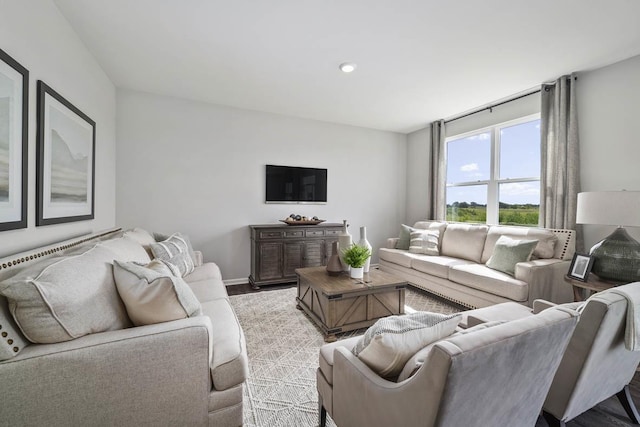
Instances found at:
x=14 y=111
x=580 y=267
x=65 y=160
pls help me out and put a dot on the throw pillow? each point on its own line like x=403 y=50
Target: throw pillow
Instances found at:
x=63 y=298
x=391 y=341
x=508 y=252
x=424 y=242
x=404 y=238
x=176 y=251
x=152 y=294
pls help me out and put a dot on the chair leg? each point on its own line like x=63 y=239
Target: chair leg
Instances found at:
x=552 y=421
x=624 y=396
x=322 y=413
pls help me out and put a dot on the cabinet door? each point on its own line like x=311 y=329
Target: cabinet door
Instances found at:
x=314 y=254
x=293 y=254
x=269 y=260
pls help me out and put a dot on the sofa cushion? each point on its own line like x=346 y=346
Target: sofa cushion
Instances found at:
x=424 y=242
x=436 y=265
x=143 y=237
x=547 y=240
x=229 y=364
x=176 y=250
x=208 y=270
x=481 y=277
x=62 y=298
x=152 y=294
x=391 y=341
x=508 y=252
x=464 y=241
x=397 y=256
x=208 y=289
x=11 y=339
x=127 y=249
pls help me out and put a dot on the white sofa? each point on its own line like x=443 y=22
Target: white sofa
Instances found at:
x=182 y=372
x=459 y=273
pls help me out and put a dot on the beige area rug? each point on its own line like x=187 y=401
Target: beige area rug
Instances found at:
x=283 y=345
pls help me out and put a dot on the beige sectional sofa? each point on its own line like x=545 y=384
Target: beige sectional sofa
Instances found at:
x=182 y=372
x=459 y=272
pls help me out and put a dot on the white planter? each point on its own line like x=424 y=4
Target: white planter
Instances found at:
x=357 y=273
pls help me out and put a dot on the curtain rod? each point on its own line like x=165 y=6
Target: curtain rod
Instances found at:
x=491 y=107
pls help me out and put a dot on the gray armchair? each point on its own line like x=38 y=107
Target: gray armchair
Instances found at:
x=596 y=364
x=495 y=376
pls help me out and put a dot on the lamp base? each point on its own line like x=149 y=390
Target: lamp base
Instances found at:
x=617 y=257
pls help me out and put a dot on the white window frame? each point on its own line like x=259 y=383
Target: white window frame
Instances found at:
x=493 y=183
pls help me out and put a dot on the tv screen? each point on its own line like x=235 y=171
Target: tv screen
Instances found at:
x=287 y=184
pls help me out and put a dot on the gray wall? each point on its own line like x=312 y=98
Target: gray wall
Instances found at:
x=36 y=35
x=608 y=106
x=199 y=168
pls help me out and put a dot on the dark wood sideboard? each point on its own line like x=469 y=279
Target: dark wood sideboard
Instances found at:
x=278 y=249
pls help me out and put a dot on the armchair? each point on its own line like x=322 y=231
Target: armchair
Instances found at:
x=596 y=364
x=495 y=376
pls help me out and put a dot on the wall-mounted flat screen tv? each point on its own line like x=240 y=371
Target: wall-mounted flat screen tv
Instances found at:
x=288 y=184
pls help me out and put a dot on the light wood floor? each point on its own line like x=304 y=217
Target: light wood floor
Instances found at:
x=606 y=414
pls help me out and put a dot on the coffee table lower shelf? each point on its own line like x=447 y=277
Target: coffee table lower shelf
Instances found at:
x=341 y=304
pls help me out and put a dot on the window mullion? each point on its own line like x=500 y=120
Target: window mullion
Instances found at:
x=492 y=188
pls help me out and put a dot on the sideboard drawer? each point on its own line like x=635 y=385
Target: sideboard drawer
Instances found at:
x=290 y=234
x=332 y=232
x=314 y=233
x=271 y=234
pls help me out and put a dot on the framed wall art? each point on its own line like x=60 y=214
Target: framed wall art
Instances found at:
x=65 y=160
x=14 y=111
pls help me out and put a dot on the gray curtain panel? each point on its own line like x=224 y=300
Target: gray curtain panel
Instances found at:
x=560 y=156
x=438 y=172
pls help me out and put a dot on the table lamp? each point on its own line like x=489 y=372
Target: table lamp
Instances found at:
x=617 y=257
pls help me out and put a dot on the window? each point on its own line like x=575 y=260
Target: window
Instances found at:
x=493 y=174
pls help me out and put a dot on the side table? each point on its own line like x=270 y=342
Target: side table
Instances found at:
x=593 y=284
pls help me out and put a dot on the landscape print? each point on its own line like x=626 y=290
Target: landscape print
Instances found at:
x=71 y=145
x=5 y=117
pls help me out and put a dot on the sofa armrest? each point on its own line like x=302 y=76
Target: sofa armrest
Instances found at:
x=540 y=304
x=198 y=261
x=545 y=278
x=149 y=375
x=391 y=242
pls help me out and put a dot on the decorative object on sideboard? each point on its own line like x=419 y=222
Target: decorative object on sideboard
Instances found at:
x=617 y=256
x=580 y=267
x=365 y=243
x=334 y=266
x=65 y=160
x=294 y=219
x=14 y=111
x=355 y=257
x=344 y=241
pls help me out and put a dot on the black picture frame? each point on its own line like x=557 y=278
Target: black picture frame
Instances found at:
x=580 y=267
x=65 y=160
x=20 y=147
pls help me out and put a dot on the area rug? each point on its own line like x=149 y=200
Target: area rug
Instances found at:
x=283 y=345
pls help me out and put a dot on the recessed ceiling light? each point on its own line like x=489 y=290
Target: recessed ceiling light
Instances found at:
x=347 y=67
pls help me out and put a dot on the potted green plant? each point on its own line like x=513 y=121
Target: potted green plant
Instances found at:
x=355 y=256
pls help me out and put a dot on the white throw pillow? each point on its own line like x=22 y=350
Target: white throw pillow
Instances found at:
x=424 y=242
x=176 y=251
x=152 y=294
x=391 y=341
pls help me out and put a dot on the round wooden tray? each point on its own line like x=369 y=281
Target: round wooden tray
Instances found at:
x=307 y=222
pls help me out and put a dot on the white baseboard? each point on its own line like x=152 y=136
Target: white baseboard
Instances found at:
x=231 y=282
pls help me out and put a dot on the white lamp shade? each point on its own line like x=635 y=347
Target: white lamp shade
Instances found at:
x=621 y=208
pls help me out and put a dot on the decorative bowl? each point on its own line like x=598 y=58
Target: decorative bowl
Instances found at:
x=301 y=222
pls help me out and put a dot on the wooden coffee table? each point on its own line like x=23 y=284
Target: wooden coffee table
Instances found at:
x=341 y=304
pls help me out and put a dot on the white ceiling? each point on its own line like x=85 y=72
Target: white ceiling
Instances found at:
x=418 y=60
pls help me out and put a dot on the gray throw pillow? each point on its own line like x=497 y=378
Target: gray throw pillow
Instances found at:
x=177 y=252
x=391 y=341
x=404 y=239
x=152 y=294
x=508 y=252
